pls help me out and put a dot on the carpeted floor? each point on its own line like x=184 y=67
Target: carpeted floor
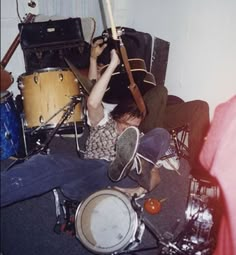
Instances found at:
x=27 y=227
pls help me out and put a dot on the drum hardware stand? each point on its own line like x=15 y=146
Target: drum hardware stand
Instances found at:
x=179 y=142
x=69 y=210
x=58 y=212
x=44 y=147
x=71 y=105
x=83 y=107
x=76 y=140
x=188 y=239
x=55 y=114
x=80 y=98
x=23 y=133
x=153 y=231
x=190 y=247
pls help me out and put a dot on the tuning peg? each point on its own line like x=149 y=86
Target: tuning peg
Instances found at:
x=32 y=4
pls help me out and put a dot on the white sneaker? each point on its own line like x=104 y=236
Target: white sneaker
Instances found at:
x=126 y=147
x=171 y=162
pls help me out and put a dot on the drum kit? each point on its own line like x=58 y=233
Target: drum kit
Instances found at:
x=107 y=222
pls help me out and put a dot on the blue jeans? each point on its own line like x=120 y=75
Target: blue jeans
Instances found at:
x=77 y=178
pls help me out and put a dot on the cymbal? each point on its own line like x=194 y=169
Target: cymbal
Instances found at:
x=86 y=84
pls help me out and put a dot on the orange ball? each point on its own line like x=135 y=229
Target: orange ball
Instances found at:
x=152 y=205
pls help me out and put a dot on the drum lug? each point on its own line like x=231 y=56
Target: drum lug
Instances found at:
x=61 y=77
x=20 y=86
x=20 y=83
x=36 y=78
x=41 y=119
x=8 y=135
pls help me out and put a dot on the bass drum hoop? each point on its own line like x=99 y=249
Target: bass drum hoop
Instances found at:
x=83 y=216
x=45 y=70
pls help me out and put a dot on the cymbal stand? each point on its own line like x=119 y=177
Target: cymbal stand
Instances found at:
x=70 y=107
x=34 y=131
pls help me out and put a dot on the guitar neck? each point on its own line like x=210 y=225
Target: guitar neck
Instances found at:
x=10 y=52
x=29 y=18
x=132 y=86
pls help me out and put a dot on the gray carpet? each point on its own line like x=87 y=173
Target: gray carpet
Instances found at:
x=27 y=226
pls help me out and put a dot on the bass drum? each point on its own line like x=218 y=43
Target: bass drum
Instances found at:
x=10 y=127
x=106 y=222
x=45 y=93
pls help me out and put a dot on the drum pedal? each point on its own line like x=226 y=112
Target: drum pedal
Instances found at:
x=57 y=227
x=69 y=226
x=69 y=208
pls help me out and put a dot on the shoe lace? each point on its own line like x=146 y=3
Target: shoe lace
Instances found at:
x=137 y=164
x=170 y=151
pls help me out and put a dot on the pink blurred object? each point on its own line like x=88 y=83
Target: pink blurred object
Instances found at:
x=218 y=155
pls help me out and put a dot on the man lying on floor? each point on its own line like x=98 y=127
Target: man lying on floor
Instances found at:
x=114 y=150
x=79 y=178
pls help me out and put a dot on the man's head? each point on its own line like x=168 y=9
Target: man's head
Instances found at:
x=126 y=114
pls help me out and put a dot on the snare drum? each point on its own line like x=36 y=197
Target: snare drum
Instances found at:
x=106 y=222
x=10 y=126
x=200 y=209
x=45 y=92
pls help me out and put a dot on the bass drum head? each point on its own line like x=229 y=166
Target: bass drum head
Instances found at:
x=47 y=93
x=106 y=222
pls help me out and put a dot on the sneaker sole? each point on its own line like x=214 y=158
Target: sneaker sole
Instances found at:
x=126 y=148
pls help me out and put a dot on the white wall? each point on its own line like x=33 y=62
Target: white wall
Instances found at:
x=9 y=31
x=202 y=36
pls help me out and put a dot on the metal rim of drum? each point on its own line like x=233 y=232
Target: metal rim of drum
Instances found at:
x=48 y=69
x=209 y=193
x=80 y=228
x=212 y=192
